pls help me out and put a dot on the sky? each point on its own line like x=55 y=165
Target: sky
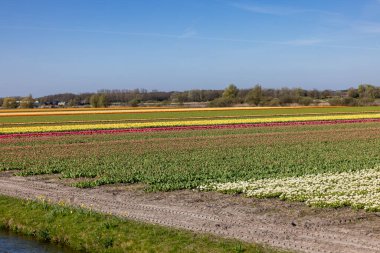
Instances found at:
x=56 y=46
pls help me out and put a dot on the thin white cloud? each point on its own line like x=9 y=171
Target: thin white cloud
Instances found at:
x=304 y=42
x=192 y=34
x=263 y=10
x=368 y=27
x=277 y=10
x=147 y=34
x=352 y=47
x=189 y=33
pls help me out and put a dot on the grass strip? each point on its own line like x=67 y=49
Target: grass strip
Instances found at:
x=84 y=230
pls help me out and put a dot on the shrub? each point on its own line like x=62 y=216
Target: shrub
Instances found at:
x=134 y=102
x=9 y=103
x=305 y=101
x=221 y=102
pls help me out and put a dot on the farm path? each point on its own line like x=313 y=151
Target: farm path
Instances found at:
x=285 y=225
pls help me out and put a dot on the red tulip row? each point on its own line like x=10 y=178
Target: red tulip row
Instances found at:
x=180 y=128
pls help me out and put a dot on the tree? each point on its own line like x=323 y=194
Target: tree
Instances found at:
x=299 y=92
x=102 y=100
x=305 y=101
x=27 y=102
x=9 y=103
x=362 y=90
x=134 y=102
x=221 y=102
x=327 y=94
x=353 y=93
x=178 y=97
x=285 y=96
x=230 y=92
x=314 y=94
x=195 y=95
x=98 y=100
x=368 y=91
x=254 y=96
x=274 y=102
x=229 y=97
x=74 y=102
x=94 y=100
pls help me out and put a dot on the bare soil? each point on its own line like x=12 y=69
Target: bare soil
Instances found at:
x=285 y=225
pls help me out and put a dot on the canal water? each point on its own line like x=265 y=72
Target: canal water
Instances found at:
x=12 y=243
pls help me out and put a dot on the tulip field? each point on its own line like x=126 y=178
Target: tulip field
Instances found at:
x=326 y=156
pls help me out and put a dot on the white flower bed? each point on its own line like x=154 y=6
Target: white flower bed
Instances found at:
x=359 y=189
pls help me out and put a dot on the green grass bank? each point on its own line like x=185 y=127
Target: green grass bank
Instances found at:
x=86 y=231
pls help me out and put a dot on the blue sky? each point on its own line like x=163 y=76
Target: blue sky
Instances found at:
x=51 y=46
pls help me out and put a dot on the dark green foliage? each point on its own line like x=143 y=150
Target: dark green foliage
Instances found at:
x=27 y=102
x=284 y=95
x=134 y=102
x=98 y=100
x=305 y=101
x=221 y=102
x=230 y=92
x=9 y=103
x=254 y=96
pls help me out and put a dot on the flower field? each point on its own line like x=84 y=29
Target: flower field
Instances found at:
x=32 y=128
x=360 y=189
x=91 y=115
x=261 y=153
x=182 y=128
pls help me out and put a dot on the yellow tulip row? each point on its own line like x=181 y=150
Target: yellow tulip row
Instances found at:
x=171 y=119
x=58 y=128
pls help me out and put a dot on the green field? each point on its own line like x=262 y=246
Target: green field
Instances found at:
x=184 y=160
x=227 y=160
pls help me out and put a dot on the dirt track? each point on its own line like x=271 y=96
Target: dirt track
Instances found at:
x=280 y=224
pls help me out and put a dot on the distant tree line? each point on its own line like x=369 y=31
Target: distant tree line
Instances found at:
x=364 y=94
x=17 y=102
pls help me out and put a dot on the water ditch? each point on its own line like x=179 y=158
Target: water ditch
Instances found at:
x=14 y=243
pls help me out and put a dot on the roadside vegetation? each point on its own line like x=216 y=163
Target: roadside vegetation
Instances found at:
x=84 y=230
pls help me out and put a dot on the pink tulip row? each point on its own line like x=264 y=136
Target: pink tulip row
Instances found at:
x=181 y=128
